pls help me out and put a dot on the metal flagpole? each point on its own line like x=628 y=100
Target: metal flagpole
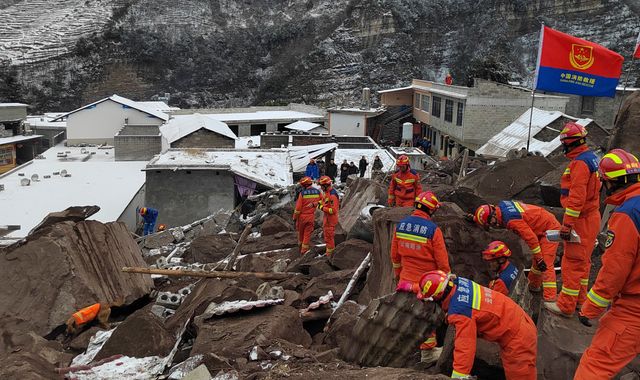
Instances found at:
x=533 y=98
x=533 y=86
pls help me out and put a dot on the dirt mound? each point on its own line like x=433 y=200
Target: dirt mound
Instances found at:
x=625 y=133
x=209 y=248
x=274 y=224
x=71 y=265
x=349 y=255
x=142 y=334
x=234 y=335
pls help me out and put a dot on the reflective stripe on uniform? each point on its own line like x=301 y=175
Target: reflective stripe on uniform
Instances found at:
x=535 y=271
x=397 y=265
x=419 y=239
x=570 y=292
x=549 y=284
x=458 y=375
x=597 y=299
x=567 y=171
x=536 y=250
x=572 y=212
x=477 y=296
x=430 y=340
x=311 y=196
x=584 y=281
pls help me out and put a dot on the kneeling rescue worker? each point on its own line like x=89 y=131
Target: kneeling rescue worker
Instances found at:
x=502 y=270
x=83 y=317
x=304 y=213
x=329 y=205
x=617 y=287
x=405 y=184
x=580 y=197
x=475 y=311
x=417 y=247
x=530 y=223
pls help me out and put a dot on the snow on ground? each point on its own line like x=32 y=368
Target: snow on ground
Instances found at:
x=246 y=142
x=96 y=179
x=355 y=155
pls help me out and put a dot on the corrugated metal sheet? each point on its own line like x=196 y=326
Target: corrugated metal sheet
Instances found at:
x=230 y=307
x=515 y=135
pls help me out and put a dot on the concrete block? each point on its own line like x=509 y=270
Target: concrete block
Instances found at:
x=178 y=234
x=200 y=373
x=169 y=300
x=267 y=292
x=186 y=290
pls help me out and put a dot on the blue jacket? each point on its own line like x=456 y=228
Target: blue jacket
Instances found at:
x=312 y=171
x=151 y=215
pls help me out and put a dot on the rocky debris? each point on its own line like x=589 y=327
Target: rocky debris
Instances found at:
x=550 y=186
x=625 y=132
x=390 y=330
x=363 y=227
x=159 y=239
x=274 y=224
x=338 y=333
x=359 y=194
x=349 y=254
x=336 y=282
x=71 y=214
x=487 y=363
x=72 y=265
x=255 y=263
x=281 y=240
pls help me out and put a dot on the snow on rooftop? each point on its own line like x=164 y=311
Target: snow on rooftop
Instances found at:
x=7 y=105
x=99 y=180
x=45 y=121
x=183 y=125
x=159 y=106
x=264 y=115
x=271 y=168
x=515 y=135
x=246 y=142
x=355 y=155
x=406 y=150
x=304 y=126
x=124 y=101
x=16 y=139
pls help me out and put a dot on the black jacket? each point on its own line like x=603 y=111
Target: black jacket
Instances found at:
x=332 y=170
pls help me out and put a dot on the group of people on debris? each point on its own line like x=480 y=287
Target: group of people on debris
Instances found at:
x=420 y=261
x=316 y=169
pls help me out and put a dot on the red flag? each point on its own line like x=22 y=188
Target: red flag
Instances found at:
x=636 y=53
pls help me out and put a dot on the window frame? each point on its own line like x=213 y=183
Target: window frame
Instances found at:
x=448 y=110
x=436 y=105
x=428 y=103
x=459 y=114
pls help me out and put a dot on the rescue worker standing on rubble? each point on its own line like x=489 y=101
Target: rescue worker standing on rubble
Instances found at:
x=304 y=213
x=329 y=205
x=405 y=184
x=473 y=311
x=580 y=197
x=417 y=247
x=530 y=223
x=149 y=216
x=503 y=272
x=617 y=286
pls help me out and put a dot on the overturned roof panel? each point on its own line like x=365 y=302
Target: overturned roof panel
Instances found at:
x=301 y=155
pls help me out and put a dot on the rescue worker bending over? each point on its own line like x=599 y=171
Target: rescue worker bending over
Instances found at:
x=530 y=223
x=304 y=213
x=580 y=197
x=149 y=215
x=617 y=286
x=405 y=184
x=83 y=317
x=417 y=247
x=475 y=311
x=330 y=205
x=503 y=272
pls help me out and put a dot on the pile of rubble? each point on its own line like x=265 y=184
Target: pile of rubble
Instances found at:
x=203 y=316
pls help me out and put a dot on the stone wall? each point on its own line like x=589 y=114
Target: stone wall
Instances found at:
x=136 y=147
x=204 y=139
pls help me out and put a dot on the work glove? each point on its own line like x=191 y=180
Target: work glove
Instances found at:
x=540 y=264
x=565 y=232
x=584 y=320
x=469 y=218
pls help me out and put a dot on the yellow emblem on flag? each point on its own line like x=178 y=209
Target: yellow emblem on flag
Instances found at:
x=581 y=56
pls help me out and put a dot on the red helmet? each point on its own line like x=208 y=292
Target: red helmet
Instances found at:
x=143 y=211
x=495 y=250
x=306 y=181
x=572 y=131
x=483 y=215
x=325 y=180
x=432 y=285
x=427 y=199
x=402 y=160
x=618 y=163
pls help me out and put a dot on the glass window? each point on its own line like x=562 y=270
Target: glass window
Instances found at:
x=425 y=103
x=416 y=104
x=448 y=110
x=459 y=114
x=436 y=106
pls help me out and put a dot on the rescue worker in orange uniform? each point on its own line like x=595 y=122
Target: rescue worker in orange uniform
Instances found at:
x=503 y=272
x=530 y=223
x=405 y=184
x=83 y=317
x=418 y=246
x=475 y=311
x=304 y=213
x=330 y=206
x=580 y=197
x=617 y=286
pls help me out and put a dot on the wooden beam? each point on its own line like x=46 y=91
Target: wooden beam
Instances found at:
x=210 y=274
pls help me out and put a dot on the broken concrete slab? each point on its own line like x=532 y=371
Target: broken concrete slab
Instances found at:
x=359 y=194
x=209 y=248
x=281 y=240
x=338 y=333
x=274 y=224
x=72 y=265
x=71 y=214
x=199 y=373
x=159 y=239
x=336 y=282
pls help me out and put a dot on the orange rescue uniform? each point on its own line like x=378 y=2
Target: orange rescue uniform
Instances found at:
x=616 y=341
x=330 y=206
x=87 y=314
x=531 y=223
x=580 y=197
x=504 y=278
x=418 y=247
x=475 y=311
x=304 y=216
x=404 y=188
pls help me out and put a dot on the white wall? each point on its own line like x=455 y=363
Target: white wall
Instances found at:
x=101 y=123
x=346 y=124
